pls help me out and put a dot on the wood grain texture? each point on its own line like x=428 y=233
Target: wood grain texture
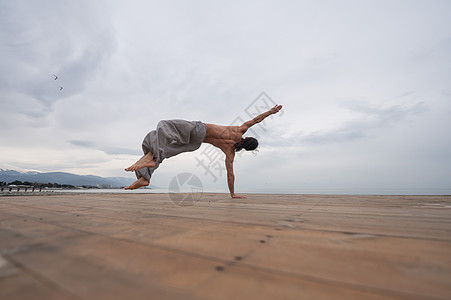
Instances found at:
x=142 y=246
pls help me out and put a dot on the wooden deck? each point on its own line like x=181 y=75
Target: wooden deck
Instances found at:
x=142 y=246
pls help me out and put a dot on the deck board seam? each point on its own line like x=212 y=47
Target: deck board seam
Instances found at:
x=54 y=286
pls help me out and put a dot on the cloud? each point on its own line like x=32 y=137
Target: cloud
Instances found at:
x=38 y=40
x=126 y=65
x=368 y=118
x=107 y=150
x=81 y=143
x=121 y=151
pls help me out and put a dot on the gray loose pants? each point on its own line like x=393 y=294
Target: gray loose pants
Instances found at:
x=171 y=137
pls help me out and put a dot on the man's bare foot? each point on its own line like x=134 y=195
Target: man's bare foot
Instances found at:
x=138 y=183
x=147 y=161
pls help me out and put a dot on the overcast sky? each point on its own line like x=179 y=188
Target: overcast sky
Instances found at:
x=366 y=88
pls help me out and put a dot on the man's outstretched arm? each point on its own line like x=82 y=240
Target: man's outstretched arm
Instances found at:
x=260 y=118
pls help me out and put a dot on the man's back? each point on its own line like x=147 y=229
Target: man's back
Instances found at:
x=223 y=137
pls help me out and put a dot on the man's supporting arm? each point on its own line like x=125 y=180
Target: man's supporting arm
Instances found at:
x=231 y=176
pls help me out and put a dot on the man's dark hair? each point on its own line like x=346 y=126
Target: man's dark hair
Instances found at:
x=248 y=144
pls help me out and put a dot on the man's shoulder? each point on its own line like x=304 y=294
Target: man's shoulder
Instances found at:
x=221 y=126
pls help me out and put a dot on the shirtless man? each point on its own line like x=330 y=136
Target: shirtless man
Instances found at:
x=227 y=138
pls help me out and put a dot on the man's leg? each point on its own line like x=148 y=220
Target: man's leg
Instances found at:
x=147 y=161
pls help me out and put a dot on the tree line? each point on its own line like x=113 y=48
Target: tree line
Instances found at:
x=41 y=185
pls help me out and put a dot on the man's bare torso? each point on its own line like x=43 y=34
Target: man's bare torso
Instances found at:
x=223 y=137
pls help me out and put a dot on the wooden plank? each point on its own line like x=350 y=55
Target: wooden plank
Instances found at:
x=238 y=282
x=102 y=268
x=22 y=286
x=15 y=283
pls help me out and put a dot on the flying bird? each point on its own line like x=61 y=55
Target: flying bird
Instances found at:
x=61 y=88
x=56 y=77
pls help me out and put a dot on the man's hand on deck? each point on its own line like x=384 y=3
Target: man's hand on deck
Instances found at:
x=237 y=196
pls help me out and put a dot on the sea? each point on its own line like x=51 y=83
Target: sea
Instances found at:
x=299 y=191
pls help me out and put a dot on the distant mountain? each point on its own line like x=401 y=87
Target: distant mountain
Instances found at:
x=63 y=178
